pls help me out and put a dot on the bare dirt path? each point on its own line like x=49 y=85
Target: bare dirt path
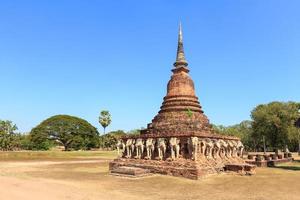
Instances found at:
x=88 y=179
x=26 y=189
x=45 y=163
x=31 y=180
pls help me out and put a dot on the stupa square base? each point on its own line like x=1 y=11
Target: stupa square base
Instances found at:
x=180 y=168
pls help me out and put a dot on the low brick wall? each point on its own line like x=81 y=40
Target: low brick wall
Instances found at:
x=268 y=163
x=246 y=169
x=273 y=163
x=262 y=163
x=189 y=170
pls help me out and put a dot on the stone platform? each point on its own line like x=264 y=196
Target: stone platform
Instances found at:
x=181 y=167
x=243 y=169
x=130 y=171
x=268 y=163
x=186 y=170
x=269 y=159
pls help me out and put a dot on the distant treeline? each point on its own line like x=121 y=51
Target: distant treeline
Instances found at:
x=70 y=132
x=277 y=125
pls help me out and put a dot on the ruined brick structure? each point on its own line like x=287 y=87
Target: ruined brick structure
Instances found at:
x=180 y=141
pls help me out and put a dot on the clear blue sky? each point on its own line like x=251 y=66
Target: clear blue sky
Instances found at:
x=79 y=57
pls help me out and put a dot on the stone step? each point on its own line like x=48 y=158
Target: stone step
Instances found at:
x=244 y=169
x=130 y=172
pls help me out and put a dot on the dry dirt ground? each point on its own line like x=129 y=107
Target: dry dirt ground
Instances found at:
x=84 y=176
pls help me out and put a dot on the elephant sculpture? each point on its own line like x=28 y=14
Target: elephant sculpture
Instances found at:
x=224 y=147
x=240 y=148
x=216 y=148
x=229 y=149
x=150 y=142
x=235 y=148
x=161 y=148
x=209 y=147
x=139 y=148
x=202 y=144
x=174 y=146
x=193 y=147
x=129 y=149
x=120 y=145
x=232 y=147
x=132 y=146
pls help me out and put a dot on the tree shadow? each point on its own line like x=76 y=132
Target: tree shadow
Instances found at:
x=293 y=168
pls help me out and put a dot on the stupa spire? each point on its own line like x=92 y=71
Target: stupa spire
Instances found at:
x=180 y=58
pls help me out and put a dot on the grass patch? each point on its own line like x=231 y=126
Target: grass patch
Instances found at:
x=55 y=155
x=294 y=166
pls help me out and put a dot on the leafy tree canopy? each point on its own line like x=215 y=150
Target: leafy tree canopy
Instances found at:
x=104 y=119
x=134 y=132
x=7 y=135
x=110 y=139
x=242 y=130
x=276 y=122
x=72 y=132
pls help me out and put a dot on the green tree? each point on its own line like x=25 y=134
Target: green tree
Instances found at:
x=109 y=140
x=40 y=138
x=104 y=119
x=72 y=132
x=275 y=121
x=24 y=141
x=242 y=130
x=134 y=132
x=7 y=135
x=297 y=124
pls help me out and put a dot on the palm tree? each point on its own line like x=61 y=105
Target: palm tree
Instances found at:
x=104 y=119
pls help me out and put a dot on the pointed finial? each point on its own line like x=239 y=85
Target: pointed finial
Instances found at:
x=180 y=33
x=180 y=58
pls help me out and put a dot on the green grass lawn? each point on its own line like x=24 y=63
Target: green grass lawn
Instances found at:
x=56 y=155
x=294 y=166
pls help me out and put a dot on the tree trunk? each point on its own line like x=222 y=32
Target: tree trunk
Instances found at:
x=299 y=148
x=298 y=142
x=264 y=140
x=66 y=147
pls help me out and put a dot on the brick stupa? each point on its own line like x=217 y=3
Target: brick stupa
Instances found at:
x=180 y=113
x=179 y=141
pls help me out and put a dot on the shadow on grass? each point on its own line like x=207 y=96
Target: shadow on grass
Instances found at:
x=293 y=168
